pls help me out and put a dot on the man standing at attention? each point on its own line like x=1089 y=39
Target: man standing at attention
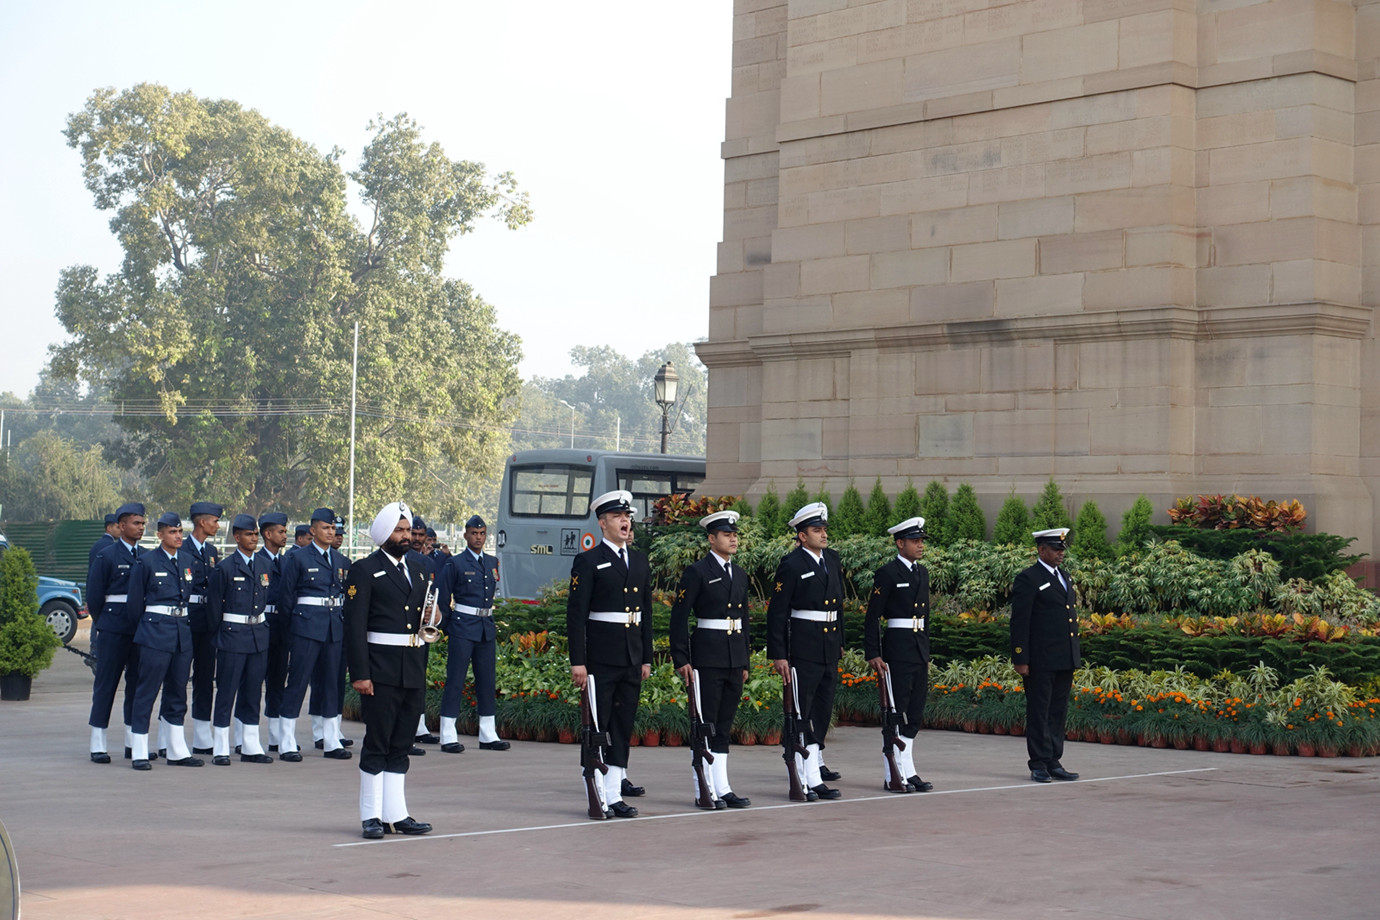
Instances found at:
x=1044 y=648
x=113 y=624
x=203 y=557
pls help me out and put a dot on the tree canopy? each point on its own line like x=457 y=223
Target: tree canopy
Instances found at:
x=226 y=333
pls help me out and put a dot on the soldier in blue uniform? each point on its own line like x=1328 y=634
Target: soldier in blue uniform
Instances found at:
x=238 y=593
x=438 y=553
x=418 y=553
x=301 y=536
x=1044 y=649
x=805 y=634
x=310 y=595
x=467 y=587
x=609 y=622
x=273 y=533
x=319 y=695
x=717 y=594
x=159 y=584
x=107 y=589
x=111 y=536
x=896 y=640
x=203 y=557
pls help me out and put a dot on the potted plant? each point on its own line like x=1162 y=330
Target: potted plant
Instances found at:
x=27 y=642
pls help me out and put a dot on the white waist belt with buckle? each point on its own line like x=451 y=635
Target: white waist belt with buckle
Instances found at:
x=473 y=611
x=318 y=602
x=383 y=638
x=116 y=598
x=243 y=618
x=818 y=616
x=196 y=598
x=166 y=610
x=906 y=623
x=626 y=618
x=730 y=625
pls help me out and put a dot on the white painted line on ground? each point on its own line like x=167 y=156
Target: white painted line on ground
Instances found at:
x=701 y=813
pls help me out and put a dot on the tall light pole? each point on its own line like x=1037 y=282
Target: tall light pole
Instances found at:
x=572 y=420
x=664 y=385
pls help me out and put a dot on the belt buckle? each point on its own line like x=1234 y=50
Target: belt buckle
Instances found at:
x=413 y=641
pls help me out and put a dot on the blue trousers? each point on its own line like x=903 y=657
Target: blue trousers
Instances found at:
x=306 y=659
x=118 y=655
x=275 y=675
x=460 y=653
x=203 y=673
x=239 y=679
x=168 y=671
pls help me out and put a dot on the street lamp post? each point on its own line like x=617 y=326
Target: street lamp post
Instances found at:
x=572 y=421
x=665 y=384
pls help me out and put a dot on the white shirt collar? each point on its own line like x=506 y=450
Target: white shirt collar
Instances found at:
x=396 y=559
x=723 y=560
x=906 y=562
x=818 y=557
x=611 y=545
x=1047 y=566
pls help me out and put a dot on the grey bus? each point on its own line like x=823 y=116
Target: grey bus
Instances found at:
x=544 y=517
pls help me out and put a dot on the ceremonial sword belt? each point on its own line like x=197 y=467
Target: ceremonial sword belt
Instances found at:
x=913 y=623
x=473 y=611
x=318 y=602
x=626 y=617
x=406 y=640
x=817 y=616
x=166 y=610
x=732 y=626
x=248 y=619
x=116 y=598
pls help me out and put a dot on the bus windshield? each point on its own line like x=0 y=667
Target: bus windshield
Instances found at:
x=552 y=490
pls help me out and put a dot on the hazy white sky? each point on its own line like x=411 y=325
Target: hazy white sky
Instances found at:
x=609 y=112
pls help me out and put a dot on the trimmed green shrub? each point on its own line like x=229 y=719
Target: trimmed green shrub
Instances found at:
x=769 y=515
x=1302 y=555
x=1013 y=521
x=1135 y=526
x=907 y=504
x=847 y=519
x=1090 y=533
x=966 y=520
x=878 y=516
x=795 y=499
x=1049 y=511
x=934 y=507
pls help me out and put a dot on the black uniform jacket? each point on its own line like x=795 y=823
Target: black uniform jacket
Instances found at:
x=379 y=599
x=599 y=584
x=243 y=588
x=1044 y=624
x=706 y=593
x=799 y=585
x=898 y=593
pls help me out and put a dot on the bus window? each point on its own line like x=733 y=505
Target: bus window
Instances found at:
x=550 y=490
x=647 y=486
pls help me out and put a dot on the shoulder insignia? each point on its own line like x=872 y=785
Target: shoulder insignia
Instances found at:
x=351 y=591
x=681 y=595
x=778 y=587
x=1019 y=650
x=877 y=591
x=574 y=580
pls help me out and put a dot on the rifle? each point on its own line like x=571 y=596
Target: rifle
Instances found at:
x=792 y=739
x=592 y=742
x=700 y=733
x=891 y=734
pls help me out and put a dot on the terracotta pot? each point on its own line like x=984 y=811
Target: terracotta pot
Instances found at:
x=984 y=729
x=970 y=726
x=1018 y=729
x=652 y=738
x=1355 y=750
x=1221 y=745
x=1073 y=735
x=634 y=740
x=1201 y=744
x=1107 y=737
x=772 y=737
x=1181 y=744
x=1238 y=746
x=1281 y=749
x=1124 y=736
x=999 y=729
x=1159 y=742
x=1326 y=751
x=1259 y=747
x=523 y=734
x=565 y=735
x=674 y=739
x=1305 y=749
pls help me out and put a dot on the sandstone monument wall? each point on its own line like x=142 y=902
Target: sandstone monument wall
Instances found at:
x=1130 y=244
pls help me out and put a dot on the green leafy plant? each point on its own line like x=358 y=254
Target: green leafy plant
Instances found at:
x=966 y=520
x=1013 y=521
x=934 y=508
x=27 y=643
x=1049 y=510
x=1135 y=526
x=878 y=515
x=847 y=519
x=1090 y=533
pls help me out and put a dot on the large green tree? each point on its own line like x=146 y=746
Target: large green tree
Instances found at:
x=229 y=322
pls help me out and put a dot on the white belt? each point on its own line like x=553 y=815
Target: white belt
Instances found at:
x=818 y=616
x=473 y=611
x=915 y=623
x=269 y=608
x=166 y=610
x=243 y=618
x=730 y=625
x=116 y=598
x=196 y=598
x=318 y=602
x=405 y=639
x=627 y=619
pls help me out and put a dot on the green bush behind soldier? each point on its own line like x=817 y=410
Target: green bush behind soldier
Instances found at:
x=896 y=639
x=1044 y=649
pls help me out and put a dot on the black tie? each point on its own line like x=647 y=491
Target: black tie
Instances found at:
x=402 y=567
x=623 y=557
x=728 y=574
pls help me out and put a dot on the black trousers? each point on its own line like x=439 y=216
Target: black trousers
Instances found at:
x=910 y=682
x=275 y=672
x=203 y=673
x=308 y=660
x=1046 y=706
x=816 y=683
x=239 y=679
x=616 y=691
x=168 y=671
x=390 y=725
x=119 y=655
x=460 y=654
x=720 y=691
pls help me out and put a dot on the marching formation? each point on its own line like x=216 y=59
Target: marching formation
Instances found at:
x=280 y=624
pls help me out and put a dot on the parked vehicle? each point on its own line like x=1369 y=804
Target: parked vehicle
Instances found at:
x=59 y=602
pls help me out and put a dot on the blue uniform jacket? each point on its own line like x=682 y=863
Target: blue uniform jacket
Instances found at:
x=105 y=540
x=156 y=579
x=202 y=563
x=242 y=588
x=275 y=575
x=470 y=582
x=109 y=575
x=306 y=573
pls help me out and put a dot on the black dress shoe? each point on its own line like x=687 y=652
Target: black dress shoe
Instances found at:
x=736 y=801
x=320 y=744
x=455 y=747
x=100 y=757
x=499 y=745
x=347 y=742
x=417 y=751
x=720 y=804
x=187 y=762
x=628 y=789
x=811 y=795
x=373 y=829
x=129 y=755
x=622 y=810
x=255 y=758
x=220 y=760
x=197 y=750
x=824 y=792
x=428 y=738
x=408 y=826
x=291 y=756
x=916 y=784
x=162 y=752
x=338 y=754
x=1061 y=773
x=829 y=776
x=142 y=765
x=273 y=748
x=1040 y=775
x=237 y=749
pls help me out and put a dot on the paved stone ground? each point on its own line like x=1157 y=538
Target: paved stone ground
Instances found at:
x=1148 y=834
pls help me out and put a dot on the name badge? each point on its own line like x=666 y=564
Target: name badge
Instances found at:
x=714 y=581
x=903 y=584
x=378 y=573
x=1043 y=586
x=313 y=570
x=603 y=565
x=808 y=575
x=238 y=578
x=160 y=574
